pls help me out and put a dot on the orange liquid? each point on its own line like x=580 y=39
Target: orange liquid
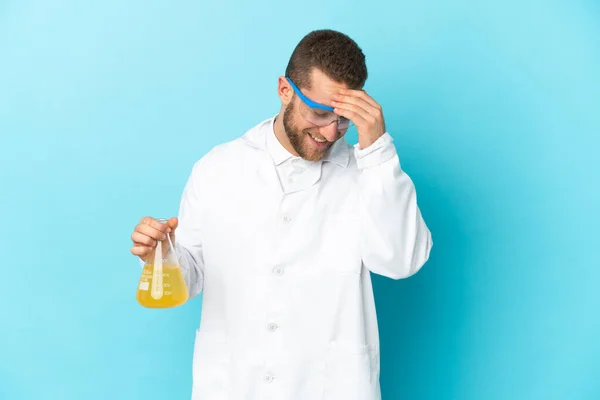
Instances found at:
x=172 y=293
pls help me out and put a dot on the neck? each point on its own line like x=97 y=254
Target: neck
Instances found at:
x=280 y=134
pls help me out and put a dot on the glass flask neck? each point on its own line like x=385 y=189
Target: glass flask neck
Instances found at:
x=169 y=244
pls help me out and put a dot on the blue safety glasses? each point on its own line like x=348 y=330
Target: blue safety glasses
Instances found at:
x=316 y=113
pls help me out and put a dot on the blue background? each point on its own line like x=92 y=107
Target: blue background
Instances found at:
x=495 y=109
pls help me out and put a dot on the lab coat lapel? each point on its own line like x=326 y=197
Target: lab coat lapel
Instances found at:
x=267 y=174
x=264 y=169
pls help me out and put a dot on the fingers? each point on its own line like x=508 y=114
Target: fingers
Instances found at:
x=362 y=95
x=349 y=111
x=354 y=111
x=357 y=105
x=140 y=251
x=164 y=228
x=364 y=111
x=357 y=102
x=173 y=223
x=148 y=232
x=139 y=238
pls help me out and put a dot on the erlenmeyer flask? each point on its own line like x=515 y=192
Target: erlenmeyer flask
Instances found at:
x=162 y=284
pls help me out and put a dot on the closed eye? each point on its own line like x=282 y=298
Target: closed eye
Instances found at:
x=321 y=113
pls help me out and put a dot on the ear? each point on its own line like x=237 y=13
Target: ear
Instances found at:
x=284 y=90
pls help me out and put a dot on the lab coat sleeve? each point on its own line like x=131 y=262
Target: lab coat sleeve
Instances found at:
x=395 y=240
x=188 y=235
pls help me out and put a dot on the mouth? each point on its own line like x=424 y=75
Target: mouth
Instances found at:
x=318 y=142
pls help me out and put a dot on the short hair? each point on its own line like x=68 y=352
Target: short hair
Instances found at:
x=332 y=52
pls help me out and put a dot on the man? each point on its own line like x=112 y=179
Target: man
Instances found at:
x=280 y=230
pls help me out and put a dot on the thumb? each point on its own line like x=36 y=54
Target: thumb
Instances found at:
x=173 y=223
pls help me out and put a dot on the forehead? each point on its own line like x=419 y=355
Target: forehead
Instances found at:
x=322 y=87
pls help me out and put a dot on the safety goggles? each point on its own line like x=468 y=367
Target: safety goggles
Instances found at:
x=318 y=114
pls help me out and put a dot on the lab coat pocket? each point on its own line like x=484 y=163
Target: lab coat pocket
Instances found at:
x=211 y=367
x=351 y=373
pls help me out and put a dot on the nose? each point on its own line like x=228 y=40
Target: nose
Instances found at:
x=329 y=132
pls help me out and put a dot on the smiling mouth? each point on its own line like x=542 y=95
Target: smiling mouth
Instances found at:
x=323 y=140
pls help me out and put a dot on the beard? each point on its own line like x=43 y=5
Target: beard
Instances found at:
x=299 y=139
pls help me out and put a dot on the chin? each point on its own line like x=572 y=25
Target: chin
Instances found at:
x=310 y=153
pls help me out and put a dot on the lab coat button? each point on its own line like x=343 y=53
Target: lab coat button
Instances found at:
x=273 y=327
x=278 y=271
x=268 y=378
x=286 y=219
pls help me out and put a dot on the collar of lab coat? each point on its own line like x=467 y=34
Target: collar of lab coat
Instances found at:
x=278 y=153
x=257 y=137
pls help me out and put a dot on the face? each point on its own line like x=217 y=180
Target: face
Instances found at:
x=311 y=142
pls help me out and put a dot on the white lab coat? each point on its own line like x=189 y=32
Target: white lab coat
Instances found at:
x=288 y=310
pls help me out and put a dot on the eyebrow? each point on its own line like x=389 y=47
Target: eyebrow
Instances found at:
x=308 y=101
